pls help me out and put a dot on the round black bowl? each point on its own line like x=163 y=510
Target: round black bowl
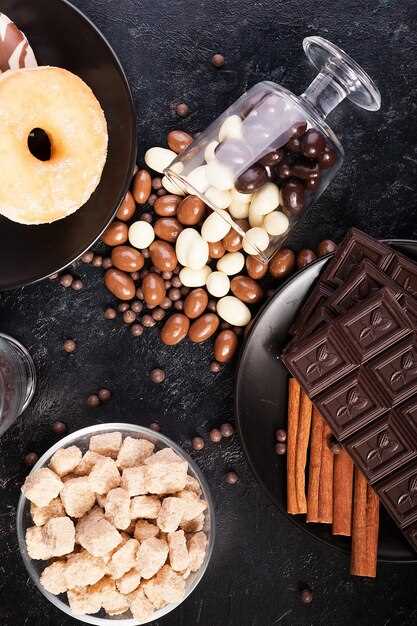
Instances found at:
x=61 y=35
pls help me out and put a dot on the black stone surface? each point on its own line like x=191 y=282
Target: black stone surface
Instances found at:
x=260 y=558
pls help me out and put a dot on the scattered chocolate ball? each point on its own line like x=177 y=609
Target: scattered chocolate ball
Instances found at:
x=157 y=183
x=77 y=285
x=215 y=435
x=136 y=306
x=31 y=458
x=167 y=276
x=104 y=394
x=66 y=280
x=231 y=478
x=280 y=448
x=161 y=192
x=174 y=294
x=281 y=435
x=146 y=217
x=93 y=400
x=217 y=60
x=110 y=313
x=212 y=306
x=139 y=292
x=87 y=257
x=182 y=109
x=152 y=198
x=334 y=445
x=305 y=257
x=185 y=291
x=129 y=316
x=166 y=304
x=97 y=260
x=69 y=345
x=215 y=367
x=122 y=307
x=155 y=426
x=158 y=314
x=107 y=263
x=197 y=443
x=59 y=427
x=157 y=375
x=179 y=305
x=227 y=429
x=135 y=275
x=136 y=330
x=326 y=246
x=176 y=282
x=148 y=321
x=306 y=596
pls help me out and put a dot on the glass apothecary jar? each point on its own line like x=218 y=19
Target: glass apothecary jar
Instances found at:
x=270 y=155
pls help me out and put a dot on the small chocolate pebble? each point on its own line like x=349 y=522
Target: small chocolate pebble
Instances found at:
x=215 y=367
x=282 y=263
x=66 y=280
x=70 y=345
x=182 y=109
x=231 y=478
x=161 y=192
x=167 y=275
x=281 y=435
x=217 y=60
x=155 y=427
x=280 y=448
x=158 y=314
x=59 y=427
x=77 y=285
x=293 y=198
x=166 y=303
x=122 y=307
x=215 y=435
x=136 y=306
x=212 y=306
x=174 y=294
x=306 y=596
x=197 y=443
x=146 y=217
x=179 y=305
x=148 y=321
x=97 y=260
x=129 y=316
x=107 y=263
x=294 y=145
x=110 y=313
x=87 y=257
x=272 y=158
x=93 y=400
x=152 y=198
x=327 y=159
x=305 y=257
x=31 y=458
x=283 y=170
x=142 y=186
x=115 y=234
x=104 y=394
x=313 y=144
x=227 y=429
x=252 y=179
x=134 y=275
x=326 y=246
x=176 y=282
x=136 y=330
x=127 y=209
x=157 y=375
x=157 y=183
x=139 y=293
x=179 y=140
x=334 y=445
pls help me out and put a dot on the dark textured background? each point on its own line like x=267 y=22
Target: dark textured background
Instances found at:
x=165 y=46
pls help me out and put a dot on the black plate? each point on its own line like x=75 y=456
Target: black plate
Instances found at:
x=60 y=35
x=261 y=405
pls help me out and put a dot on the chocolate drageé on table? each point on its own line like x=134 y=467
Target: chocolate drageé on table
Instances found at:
x=359 y=366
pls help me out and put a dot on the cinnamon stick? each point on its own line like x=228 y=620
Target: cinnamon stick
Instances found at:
x=303 y=436
x=294 y=393
x=316 y=441
x=342 y=494
x=325 y=506
x=365 y=528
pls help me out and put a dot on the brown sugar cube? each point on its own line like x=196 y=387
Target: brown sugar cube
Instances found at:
x=95 y=514
x=192 y=484
x=77 y=496
x=83 y=601
x=123 y=559
x=178 y=551
x=41 y=514
x=68 y=477
x=193 y=505
x=87 y=463
x=107 y=444
x=186 y=573
x=101 y=500
x=197 y=545
x=115 y=603
x=104 y=476
x=166 y=455
x=42 y=486
x=53 y=579
x=83 y=569
x=144 y=530
x=59 y=534
x=36 y=545
x=194 y=525
x=171 y=585
x=133 y=480
x=145 y=507
x=151 y=556
x=65 y=460
x=99 y=537
x=134 y=452
x=165 y=478
x=170 y=515
x=117 y=508
x=153 y=592
x=141 y=608
x=129 y=581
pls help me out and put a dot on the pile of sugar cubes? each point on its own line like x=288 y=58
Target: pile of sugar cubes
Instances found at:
x=121 y=525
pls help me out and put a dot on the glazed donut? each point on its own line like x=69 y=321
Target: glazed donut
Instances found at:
x=33 y=191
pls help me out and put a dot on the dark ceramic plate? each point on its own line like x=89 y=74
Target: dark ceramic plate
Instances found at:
x=261 y=405
x=60 y=35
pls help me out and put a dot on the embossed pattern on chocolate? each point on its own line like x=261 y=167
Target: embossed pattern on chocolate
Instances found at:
x=399 y=495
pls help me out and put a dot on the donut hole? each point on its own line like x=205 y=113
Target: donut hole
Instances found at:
x=39 y=144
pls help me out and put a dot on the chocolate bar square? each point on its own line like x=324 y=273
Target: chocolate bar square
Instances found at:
x=356 y=247
x=317 y=297
x=352 y=404
x=383 y=447
x=399 y=495
x=404 y=273
x=396 y=370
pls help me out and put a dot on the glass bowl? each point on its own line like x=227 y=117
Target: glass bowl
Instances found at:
x=81 y=439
